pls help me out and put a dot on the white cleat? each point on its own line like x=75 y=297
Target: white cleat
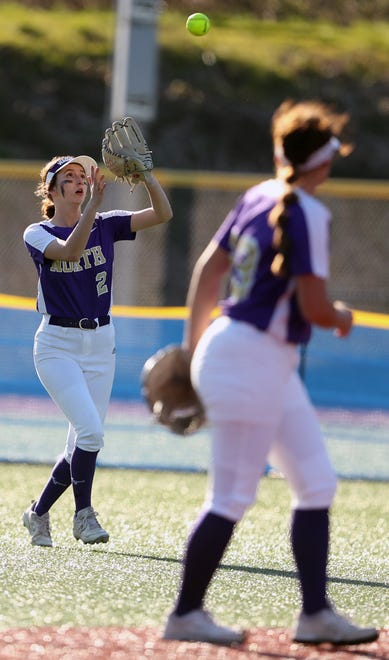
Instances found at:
x=86 y=527
x=38 y=526
x=331 y=627
x=198 y=626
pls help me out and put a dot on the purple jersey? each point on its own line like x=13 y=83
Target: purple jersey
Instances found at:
x=255 y=295
x=78 y=289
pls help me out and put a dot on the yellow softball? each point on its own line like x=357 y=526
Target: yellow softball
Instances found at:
x=198 y=24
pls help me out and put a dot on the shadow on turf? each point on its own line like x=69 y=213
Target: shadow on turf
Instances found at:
x=251 y=569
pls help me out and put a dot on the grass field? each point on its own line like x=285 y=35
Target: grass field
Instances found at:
x=132 y=580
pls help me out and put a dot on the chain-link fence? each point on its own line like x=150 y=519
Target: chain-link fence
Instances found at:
x=346 y=380
x=155 y=270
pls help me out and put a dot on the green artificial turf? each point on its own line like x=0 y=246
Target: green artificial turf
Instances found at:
x=132 y=580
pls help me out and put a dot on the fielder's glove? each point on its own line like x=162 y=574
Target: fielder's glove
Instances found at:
x=168 y=390
x=125 y=152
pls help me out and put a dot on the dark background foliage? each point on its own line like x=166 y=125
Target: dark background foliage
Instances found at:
x=209 y=117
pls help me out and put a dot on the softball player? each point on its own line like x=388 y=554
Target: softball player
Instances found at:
x=74 y=347
x=274 y=245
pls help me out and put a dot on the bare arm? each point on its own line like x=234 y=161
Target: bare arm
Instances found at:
x=160 y=210
x=204 y=291
x=317 y=309
x=73 y=247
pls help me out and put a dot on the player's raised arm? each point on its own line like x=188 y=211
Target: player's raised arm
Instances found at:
x=160 y=210
x=126 y=154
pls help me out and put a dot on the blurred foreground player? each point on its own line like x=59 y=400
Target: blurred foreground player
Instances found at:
x=274 y=246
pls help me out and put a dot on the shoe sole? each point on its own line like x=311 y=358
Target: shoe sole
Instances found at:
x=100 y=539
x=204 y=638
x=42 y=545
x=343 y=642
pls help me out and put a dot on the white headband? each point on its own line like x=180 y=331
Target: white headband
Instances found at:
x=316 y=159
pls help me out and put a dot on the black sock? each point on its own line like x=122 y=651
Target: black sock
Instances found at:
x=310 y=540
x=82 y=468
x=59 y=481
x=205 y=549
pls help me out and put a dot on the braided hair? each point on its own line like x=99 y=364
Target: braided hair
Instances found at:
x=298 y=131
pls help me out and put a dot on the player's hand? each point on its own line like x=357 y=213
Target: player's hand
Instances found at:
x=97 y=186
x=344 y=319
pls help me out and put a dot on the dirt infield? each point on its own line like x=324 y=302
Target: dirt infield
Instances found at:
x=70 y=643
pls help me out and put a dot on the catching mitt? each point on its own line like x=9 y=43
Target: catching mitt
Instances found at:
x=168 y=390
x=125 y=151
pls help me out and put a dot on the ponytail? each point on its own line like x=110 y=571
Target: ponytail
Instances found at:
x=43 y=189
x=47 y=209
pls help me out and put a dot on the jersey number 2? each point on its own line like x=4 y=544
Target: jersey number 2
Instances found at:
x=100 y=283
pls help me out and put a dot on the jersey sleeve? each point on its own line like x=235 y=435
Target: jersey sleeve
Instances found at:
x=309 y=233
x=222 y=236
x=119 y=223
x=36 y=239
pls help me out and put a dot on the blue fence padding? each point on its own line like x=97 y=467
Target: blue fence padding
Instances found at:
x=345 y=373
x=351 y=372
x=136 y=340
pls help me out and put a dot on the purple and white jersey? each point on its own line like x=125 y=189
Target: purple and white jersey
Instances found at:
x=255 y=295
x=78 y=289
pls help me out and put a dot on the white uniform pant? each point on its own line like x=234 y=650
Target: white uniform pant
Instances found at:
x=259 y=412
x=77 y=367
